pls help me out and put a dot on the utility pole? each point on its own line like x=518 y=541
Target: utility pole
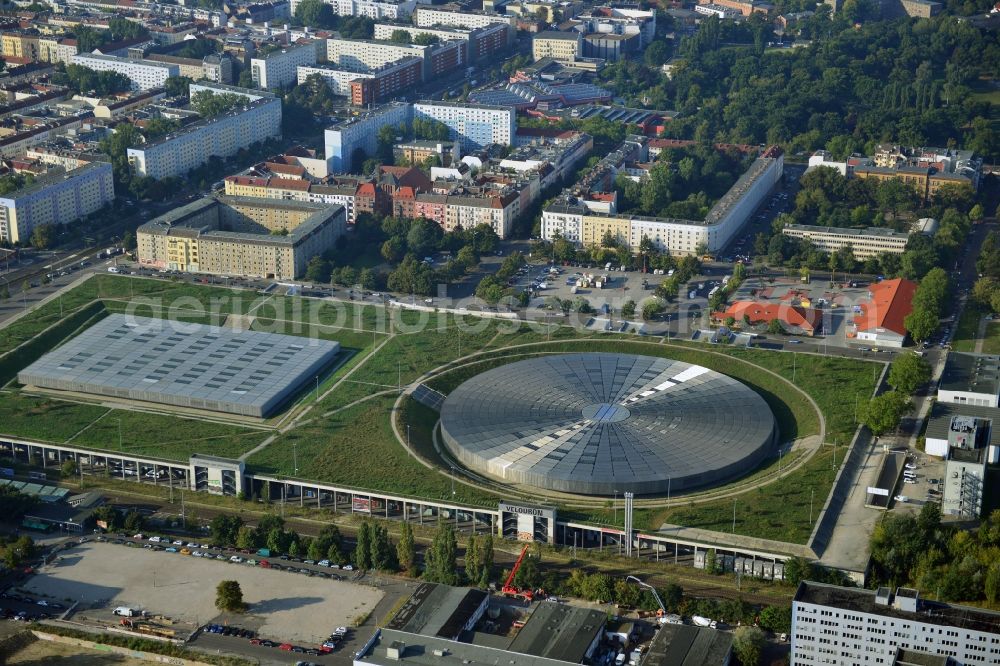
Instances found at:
x=734 y=515
x=614 y=504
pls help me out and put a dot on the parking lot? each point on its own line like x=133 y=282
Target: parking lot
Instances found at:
x=922 y=482
x=284 y=606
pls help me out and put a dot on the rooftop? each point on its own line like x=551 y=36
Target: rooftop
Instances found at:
x=939 y=422
x=929 y=612
x=438 y=610
x=889 y=303
x=559 y=631
x=876 y=232
x=175 y=222
x=419 y=650
x=55 y=174
x=181 y=363
x=972 y=373
x=553 y=34
x=685 y=645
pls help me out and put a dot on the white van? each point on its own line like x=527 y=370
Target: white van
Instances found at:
x=125 y=611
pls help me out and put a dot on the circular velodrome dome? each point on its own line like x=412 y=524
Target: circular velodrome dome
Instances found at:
x=596 y=424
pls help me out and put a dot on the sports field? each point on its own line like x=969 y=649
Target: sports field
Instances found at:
x=343 y=433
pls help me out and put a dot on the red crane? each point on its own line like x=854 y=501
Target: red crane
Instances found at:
x=508 y=585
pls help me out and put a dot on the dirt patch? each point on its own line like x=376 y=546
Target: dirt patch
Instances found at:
x=288 y=605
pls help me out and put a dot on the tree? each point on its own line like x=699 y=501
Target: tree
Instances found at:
x=134 y=521
x=128 y=241
x=748 y=644
x=315 y=14
x=628 y=309
x=921 y=324
x=224 y=529
x=177 y=86
x=69 y=468
x=883 y=412
x=209 y=104
x=627 y=594
x=976 y=213
x=383 y=556
x=246 y=538
x=229 y=597
x=776 y=618
x=908 y=372
x=485 y=560
x=423 y=236
x=472 y=559
x=406 y=550
x=318 y=270
x=657 y=53
x=652 y=308
x=43 y=236
x=775 y=327
x=441 y=557
x=400 y=37
x=363 y=546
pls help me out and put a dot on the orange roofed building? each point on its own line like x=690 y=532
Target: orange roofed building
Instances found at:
x=796 y=320
x=879 y=320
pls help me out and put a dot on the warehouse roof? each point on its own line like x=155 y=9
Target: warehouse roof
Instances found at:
x=182 y=364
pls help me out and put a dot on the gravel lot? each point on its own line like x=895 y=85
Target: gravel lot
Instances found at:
x=284 y=605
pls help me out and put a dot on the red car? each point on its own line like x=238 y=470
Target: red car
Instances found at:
x=254 y=641
x=285 y=646
x=265 y=564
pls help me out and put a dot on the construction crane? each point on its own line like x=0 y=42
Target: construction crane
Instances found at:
x=508 y=585
x=661 y=615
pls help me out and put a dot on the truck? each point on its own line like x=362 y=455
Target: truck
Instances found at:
x=125 y=611
x=700 y=621
x=264 y=552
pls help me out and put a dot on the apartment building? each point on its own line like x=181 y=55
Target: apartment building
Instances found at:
x=378 y=10
x=429 y=17
x=561 y=46
x=474 y=125
x=368 y=86
x=341 y=193
x=243 y=236
x=144 y=74
x=192 y=145
x=366 y=54
x=483 y=43
x=864 y=243
x=582 y=215
x=15 y=144
x=250 y=94
x=355 y=136
x=55 y=197
x=19 y=44
x=851 y=626
x=279 y=69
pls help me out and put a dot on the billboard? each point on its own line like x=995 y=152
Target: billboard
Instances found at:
x=361 y=505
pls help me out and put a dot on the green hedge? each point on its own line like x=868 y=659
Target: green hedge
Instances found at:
x=17 y=359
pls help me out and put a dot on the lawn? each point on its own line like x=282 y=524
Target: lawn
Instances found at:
x=45 y=419
x=779 y=510
x=968 y=326
x=991 y=343
x=356 y=447
x=167 y=436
